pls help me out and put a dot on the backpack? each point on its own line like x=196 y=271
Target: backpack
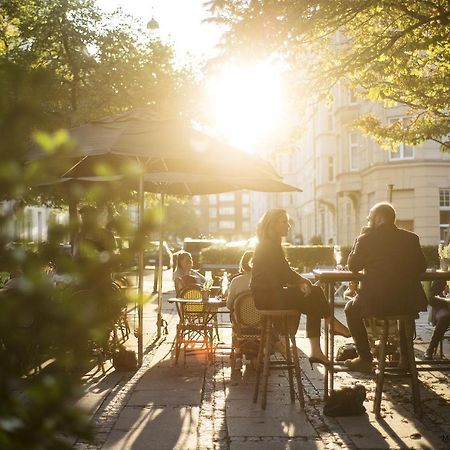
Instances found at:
x=346 y=351
x=347 y=401
x=124 y=360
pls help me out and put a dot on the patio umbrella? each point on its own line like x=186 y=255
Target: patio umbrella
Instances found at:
x=166 y=156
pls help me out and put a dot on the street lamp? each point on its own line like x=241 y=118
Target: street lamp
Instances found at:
x=152 y=24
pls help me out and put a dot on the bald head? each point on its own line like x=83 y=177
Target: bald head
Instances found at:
x=381 y=213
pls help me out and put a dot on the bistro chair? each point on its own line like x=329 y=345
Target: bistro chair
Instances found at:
x=246 y=327
x=375 y=330
x=406 y=323
x=291 y=360
x=195 y=329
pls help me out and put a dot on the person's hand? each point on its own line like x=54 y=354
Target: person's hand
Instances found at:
x=305 y=288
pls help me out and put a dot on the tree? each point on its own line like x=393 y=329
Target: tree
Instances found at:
x=60 y=65
x=98 y=65
x=397 y=52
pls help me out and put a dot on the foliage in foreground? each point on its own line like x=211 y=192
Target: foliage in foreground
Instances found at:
x=395 y=52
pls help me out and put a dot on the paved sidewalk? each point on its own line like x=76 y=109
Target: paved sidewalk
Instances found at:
x=199 y=406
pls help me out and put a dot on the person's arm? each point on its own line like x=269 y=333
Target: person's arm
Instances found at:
x=358 y=255
x=419 y=263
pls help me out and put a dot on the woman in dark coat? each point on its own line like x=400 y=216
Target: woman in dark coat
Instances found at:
x=275 y=285
x=441 y=315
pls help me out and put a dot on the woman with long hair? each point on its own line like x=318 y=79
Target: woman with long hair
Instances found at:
x=241 y=282
x=184 y=274
x=275 y=285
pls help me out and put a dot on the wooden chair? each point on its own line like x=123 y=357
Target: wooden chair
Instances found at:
x=291 y=360
x=406 y=322
x=246 y=330
x=195 y=328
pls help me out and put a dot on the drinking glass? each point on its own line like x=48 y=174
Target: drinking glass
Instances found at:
x=337 y=252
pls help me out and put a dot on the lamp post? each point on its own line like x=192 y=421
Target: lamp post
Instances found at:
x=390 y=189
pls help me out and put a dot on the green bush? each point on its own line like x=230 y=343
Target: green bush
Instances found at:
x=431 y=255
x=302 y=257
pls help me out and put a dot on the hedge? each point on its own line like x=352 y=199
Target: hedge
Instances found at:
x=302 y=257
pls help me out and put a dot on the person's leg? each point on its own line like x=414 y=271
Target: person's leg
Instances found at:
x=442 y=323
x=355 y=322
x=315 y=306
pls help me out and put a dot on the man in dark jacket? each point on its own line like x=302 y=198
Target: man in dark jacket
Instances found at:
x=392 y=260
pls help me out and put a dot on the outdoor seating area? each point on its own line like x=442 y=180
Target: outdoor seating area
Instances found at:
x=220 y=400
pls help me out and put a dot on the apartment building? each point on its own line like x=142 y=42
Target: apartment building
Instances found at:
x=225 y=215
x=343 y=173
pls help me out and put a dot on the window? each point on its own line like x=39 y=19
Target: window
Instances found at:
x=329 y=121
x=354 y=151
x=245 y=198
x=226 y=197
x=227 y=225
x=212 y=213
x=330 y=169
x=352 y=99
x=403 y=151
x=370 y=199
x=196 y=200
x=444 y=213
x=246 y=226
x=212 y=199
x=245 y=212
x=226 y=210
x=212 y=227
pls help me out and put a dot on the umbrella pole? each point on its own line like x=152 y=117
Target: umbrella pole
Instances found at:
x=160 y=266
x=140 y=273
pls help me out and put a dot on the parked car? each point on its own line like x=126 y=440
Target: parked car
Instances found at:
x=151 y=254
x=195 y=246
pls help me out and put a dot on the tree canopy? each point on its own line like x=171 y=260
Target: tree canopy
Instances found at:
x=96 y=64
x=397 y=52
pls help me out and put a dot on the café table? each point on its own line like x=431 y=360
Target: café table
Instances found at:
x=197 y=318
x=327 y=279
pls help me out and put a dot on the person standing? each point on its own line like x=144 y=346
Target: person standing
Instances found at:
x=392 y=260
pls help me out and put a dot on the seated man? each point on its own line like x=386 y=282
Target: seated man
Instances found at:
x=393 y=261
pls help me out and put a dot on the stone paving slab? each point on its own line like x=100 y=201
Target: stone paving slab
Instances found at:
x=200 y=406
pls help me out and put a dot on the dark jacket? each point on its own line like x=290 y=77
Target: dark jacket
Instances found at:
x=270 y=268
x=393 y=261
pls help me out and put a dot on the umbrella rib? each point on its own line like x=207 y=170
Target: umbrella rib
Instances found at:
x=74 y=166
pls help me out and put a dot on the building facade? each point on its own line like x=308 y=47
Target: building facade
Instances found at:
x=343 y=173
x=226 y=215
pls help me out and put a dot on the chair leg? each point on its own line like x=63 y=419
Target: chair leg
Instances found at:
x=266 y=369
x=259 y=359
x=297 y=370
x=290 y=366
x=381 y=367
x=413 y=370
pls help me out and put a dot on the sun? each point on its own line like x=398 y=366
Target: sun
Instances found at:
x=245 y=103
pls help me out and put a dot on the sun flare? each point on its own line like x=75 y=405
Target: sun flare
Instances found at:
x=245 y=103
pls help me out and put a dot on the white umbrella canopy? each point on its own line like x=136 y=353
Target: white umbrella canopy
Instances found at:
x=163 y=155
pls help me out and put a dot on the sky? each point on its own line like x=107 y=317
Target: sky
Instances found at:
x=180 y=21
x=244 y=102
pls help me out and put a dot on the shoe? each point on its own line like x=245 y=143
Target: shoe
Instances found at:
x=340 y=329
x=313 y=360
x=359 y=365
x=429 y=354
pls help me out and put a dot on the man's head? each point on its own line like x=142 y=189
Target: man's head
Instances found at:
x=381 y=213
